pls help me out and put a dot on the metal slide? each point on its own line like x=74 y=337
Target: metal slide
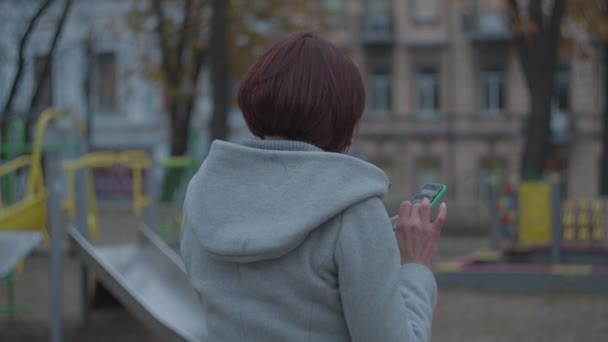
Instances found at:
x=149 y=279
x=15 y=247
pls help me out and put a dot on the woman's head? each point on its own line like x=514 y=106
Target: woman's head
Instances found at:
x=303 y=88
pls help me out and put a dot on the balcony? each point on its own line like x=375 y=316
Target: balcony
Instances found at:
x=486 y=25
x=377 y=30
x=450 y=125
x=565 y=129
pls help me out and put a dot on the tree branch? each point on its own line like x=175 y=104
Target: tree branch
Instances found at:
x=557 y=14
x=183 y=36
x=49 y=60
x=21 y=59
x=536 y=13
x=523 y=49
x=514 y=11
x=161 y=31
x=199 y=59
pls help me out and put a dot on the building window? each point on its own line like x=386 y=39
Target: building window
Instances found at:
x=492 y=16
x=379 y=17
x=492 y=169
x=428 y=170
x=105 y=85
x=334 y=11
x=424 y=11
x=493 y=90
x=561 y=99
x=380 y=92
x=560 y=106
x=45 y=97
x=427 y=92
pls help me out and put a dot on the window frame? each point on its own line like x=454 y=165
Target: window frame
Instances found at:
x=500 y=98
x=424 y=21
x=380 y=112
x=96 y=89
x=386 y=27
x=428 y=159
x=434 y=87
x=482 y=180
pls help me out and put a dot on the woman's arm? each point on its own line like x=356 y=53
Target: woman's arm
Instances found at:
x=382 y=299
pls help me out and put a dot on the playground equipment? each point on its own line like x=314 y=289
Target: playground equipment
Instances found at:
x=149 y=279
x=29 y=213
x=170 y=228
x=14 y=247
x=146 y=276
x=23 y=221
x=555 y=246
x=136 y=161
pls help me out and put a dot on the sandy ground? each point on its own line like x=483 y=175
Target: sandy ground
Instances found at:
x=461 y=315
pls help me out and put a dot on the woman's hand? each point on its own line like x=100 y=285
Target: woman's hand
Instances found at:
x=417 y=237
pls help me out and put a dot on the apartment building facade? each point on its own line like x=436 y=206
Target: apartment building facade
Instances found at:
x=447 y=99
x=96 y=70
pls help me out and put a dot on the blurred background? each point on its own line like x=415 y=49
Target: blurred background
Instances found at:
x=469 y=93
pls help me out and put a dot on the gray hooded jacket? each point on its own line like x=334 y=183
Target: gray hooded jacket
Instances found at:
x=286 y=242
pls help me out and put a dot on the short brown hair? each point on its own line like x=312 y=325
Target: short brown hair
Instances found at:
x=303 y=88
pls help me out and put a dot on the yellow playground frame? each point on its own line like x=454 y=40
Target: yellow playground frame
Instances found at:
x=136 y=161
x=30 y=212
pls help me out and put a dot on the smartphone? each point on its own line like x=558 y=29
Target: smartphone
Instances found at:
x=433 y=191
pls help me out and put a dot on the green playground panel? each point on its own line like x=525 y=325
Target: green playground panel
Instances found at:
x=27 y=148
x=11 y=310
x=18 y=144
x=171 y=232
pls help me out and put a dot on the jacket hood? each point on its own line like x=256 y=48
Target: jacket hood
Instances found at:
x=260 y=199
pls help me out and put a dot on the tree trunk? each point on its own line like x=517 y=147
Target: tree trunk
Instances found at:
x=219 y=70
x=537 y=50
x=180 y=128
x=179 y=137
x=603 y=181
x=538 y=132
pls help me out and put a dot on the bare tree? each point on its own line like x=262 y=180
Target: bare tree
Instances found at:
x=537 y=29
x=32 y=113
x=181 y=64
x=20 y=65
x=227 y=33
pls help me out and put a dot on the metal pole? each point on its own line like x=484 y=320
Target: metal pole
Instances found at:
x=10 y=292
x=82 y=210
x=57 y=234
x=151 y=212
x=494 y=215
x=556 y=221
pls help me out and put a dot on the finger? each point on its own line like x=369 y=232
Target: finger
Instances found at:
x=425 y=211
x=440 y=220
x=415 y=215
x=394 y=218
x=406 y=209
